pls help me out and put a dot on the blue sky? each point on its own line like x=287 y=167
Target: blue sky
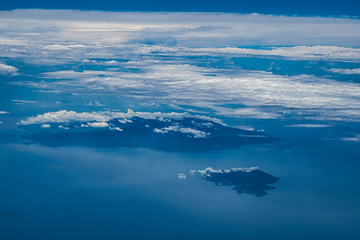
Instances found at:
x=301 y=7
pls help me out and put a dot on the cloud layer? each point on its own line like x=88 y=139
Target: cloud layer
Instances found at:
x=303 y=96
x=164 y=57
x=189 y=29
x=81 y=34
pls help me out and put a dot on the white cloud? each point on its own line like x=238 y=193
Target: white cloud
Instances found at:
x=344 y=70
x=94 y=103
x=195 y=133
x=181 y=176
x=63 y=46
x=98 y=124
x=294 y=53
x=81 y=27
x=64 y=116
x=16 y=101
x=188 y=84
x=209 y=170
x=310 y=125
x=304 y=96
x=249 y=112
x=117 y=129
x=192 y=132
x=45 y=126
x=8 y=70
x=355 y=138
x=81 y=36
x=4 y=112
x=202 y=124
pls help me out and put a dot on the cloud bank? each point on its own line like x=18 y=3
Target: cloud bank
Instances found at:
x=303 y=95
x=189 y=29
x=166 y=57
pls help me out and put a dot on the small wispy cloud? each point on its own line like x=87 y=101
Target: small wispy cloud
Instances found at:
x=8 y=70
x=181 y=176
x=355 y=138
x=309 y=125
x=20 y=102
x=94 y=104
x=333 y=53
x=355 y=71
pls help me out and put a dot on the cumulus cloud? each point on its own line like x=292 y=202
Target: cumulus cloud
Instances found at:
x=116 y=129
x=67 y=116
x=161 y=131
x=63 y=46
x=98 y=124
x=209 y=170
x=101 y=117
x=189 y=131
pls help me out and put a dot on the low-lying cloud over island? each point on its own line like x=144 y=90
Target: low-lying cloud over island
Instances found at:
x=161 y=131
